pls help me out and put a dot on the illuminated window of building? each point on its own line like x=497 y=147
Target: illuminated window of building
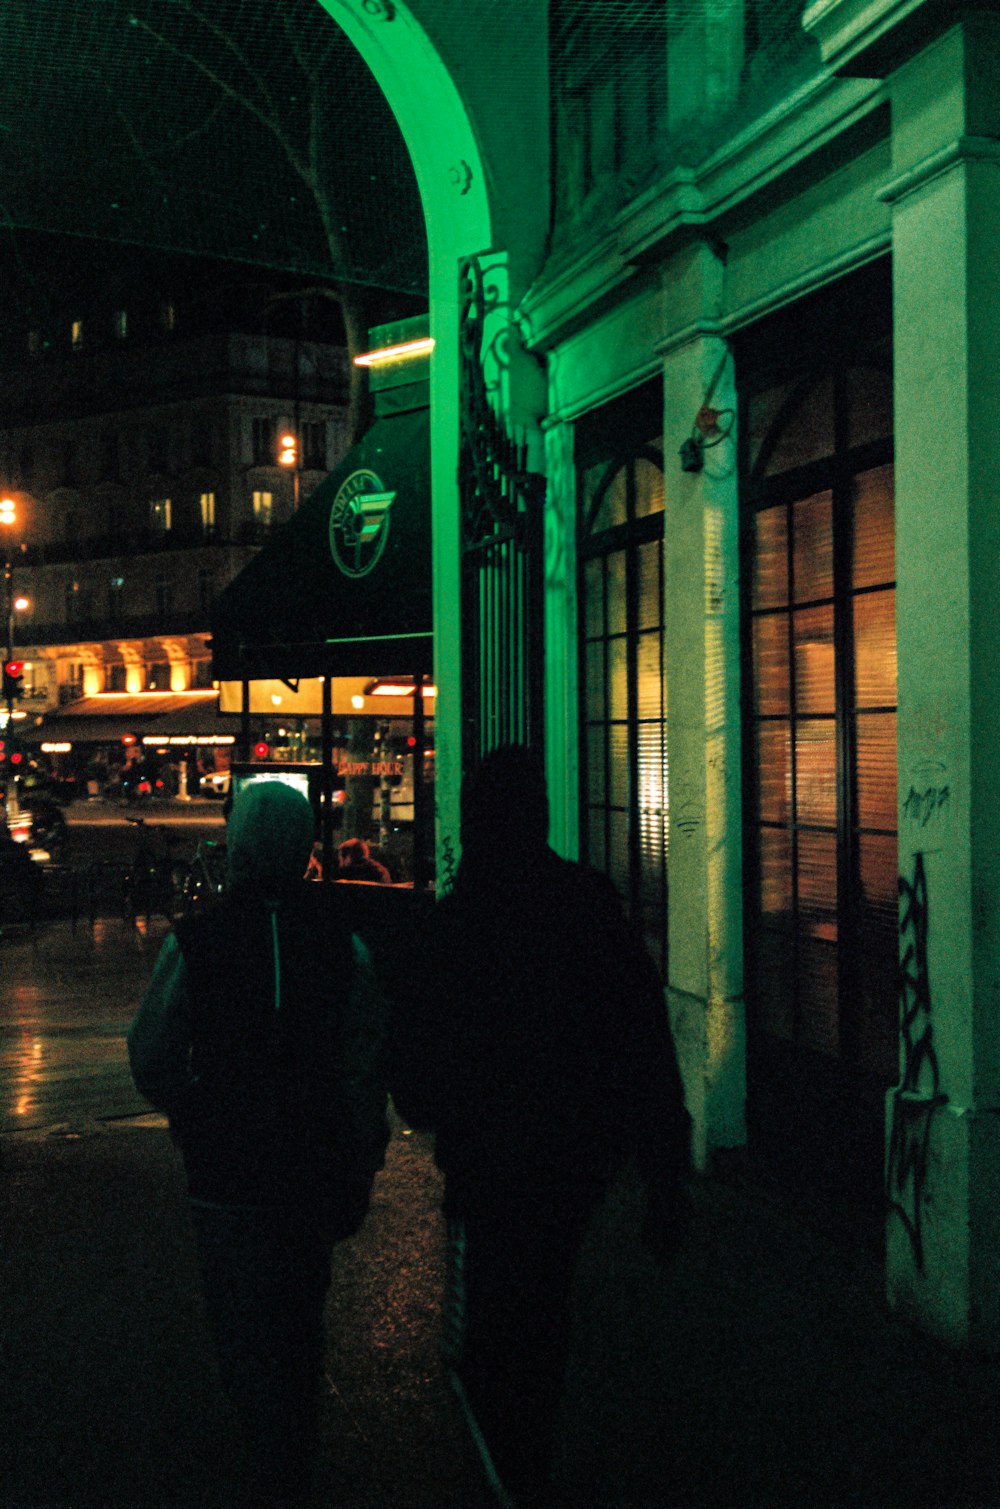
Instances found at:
x=76 y=335
x=168 y=315
x=116 y=603
x=160 y=514
x=120 y=324
x=115 y=678
x=820 y=715
x=72 y=601
x=206 y=503
x=34 y=342
x=263 y=507
x=624 y=806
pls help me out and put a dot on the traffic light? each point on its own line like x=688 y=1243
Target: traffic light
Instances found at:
x=288 y=449
x=13 y=676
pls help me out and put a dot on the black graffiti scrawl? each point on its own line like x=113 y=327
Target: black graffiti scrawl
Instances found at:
x=919 y=1093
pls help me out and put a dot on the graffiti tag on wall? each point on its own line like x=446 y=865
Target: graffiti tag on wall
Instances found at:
x=919 y=1093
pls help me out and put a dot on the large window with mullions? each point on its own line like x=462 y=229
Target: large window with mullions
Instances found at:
x=821 y=716
x=624 y=803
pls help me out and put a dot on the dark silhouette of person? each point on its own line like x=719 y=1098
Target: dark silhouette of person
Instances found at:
x=262 y=1036
x=534 y=1041
x=354 y=862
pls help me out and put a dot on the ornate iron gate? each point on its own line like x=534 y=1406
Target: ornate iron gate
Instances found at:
x=502 y=556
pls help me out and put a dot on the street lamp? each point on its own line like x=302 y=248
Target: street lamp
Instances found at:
x=288 y=456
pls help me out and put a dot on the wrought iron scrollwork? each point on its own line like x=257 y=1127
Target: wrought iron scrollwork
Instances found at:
x=497 y=489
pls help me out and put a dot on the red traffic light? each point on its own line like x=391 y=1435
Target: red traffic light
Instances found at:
x=261 y=750
x=13 y=667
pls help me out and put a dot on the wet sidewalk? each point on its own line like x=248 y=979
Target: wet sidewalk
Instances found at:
x=760 y=1368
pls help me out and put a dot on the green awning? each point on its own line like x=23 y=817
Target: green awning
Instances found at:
x=344 y=587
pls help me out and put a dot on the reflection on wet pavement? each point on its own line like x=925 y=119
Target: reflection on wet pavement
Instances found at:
x=67 y=999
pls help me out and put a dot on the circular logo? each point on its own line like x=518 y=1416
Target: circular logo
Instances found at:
x=359 y=522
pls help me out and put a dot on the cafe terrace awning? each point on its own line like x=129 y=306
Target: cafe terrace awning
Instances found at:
x=344 y=587
x=178 y=717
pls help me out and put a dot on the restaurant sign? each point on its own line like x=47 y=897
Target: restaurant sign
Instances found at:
x=359 y=522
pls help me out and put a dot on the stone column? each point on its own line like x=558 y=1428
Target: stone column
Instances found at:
x=562 y=717
x=701 y=536
x=943 y=1124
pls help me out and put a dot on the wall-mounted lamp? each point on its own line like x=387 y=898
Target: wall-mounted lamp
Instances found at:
x=711 y=427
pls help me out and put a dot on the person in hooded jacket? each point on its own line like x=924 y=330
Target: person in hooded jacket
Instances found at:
x=261 y=1036
x=534 y=1042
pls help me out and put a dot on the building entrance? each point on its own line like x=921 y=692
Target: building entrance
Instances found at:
x=820 y=769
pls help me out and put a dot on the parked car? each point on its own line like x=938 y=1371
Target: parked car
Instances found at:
x=215 y=783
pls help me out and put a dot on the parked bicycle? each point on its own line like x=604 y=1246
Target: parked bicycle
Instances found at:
x=203 y=879
x=153 y=879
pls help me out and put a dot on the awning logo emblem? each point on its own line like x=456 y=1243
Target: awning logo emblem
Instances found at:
x=359 y=522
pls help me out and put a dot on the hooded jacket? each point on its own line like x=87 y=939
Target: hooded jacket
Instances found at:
x=261 y=1034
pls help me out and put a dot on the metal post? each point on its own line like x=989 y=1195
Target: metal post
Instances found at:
x=326 y=779
x=419 y=799
x=13 y=806
x=244 y=720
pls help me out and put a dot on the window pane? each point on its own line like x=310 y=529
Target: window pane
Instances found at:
x=869 y=403
x=879 y=875
x=595 y=681
x=807 y=435
x=618 y=863
x=618 y=678
x=875 y=649
x=593 y=598
x=595 y=764
x=770 y=577
x=648 y=589
x=650 y=676
x=617 y=601
x=774 y=772
x=812 y=554
x=816 y=772
x=776 y=877
x=618 y=765
x=612 y=508
x=874 y=528
x=817 y=986
x=770 y=663
x=875 y=763
x=762 y=411
x=648 y=489
x=817 y=885
x=775 y=986
x=815 y=687
x=595 y=847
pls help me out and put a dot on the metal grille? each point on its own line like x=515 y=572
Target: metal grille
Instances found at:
x=502 y=563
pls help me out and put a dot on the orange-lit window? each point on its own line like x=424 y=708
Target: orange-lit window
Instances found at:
x=624 y=806
x=821 y=711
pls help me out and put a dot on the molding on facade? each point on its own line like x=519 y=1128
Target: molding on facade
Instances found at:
x=691 y=200
x=849 y=31
x=963 y=149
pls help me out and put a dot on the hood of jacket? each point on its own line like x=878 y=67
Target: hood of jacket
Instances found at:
x=269 y=838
